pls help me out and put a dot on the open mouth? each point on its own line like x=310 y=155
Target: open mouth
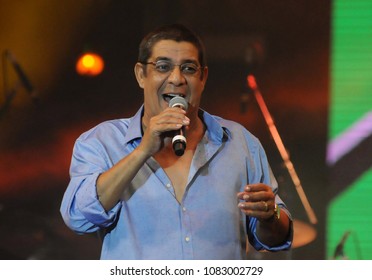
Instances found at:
x=169 y=96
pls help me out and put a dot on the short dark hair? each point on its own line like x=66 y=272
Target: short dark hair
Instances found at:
x=175 y=32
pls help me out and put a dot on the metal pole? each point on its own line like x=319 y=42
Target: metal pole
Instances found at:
x=282 y=150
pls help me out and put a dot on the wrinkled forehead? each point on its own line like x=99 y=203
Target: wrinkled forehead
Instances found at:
x=175 y=51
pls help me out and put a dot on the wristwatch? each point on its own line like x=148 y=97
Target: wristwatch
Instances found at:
x=276 y=212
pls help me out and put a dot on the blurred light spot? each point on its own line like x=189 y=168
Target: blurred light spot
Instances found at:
x=90 y=64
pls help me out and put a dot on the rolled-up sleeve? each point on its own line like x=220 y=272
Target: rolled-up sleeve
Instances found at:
x=263 y=174
x=81 y=209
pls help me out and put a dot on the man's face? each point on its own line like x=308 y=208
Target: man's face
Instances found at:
x=159 y=86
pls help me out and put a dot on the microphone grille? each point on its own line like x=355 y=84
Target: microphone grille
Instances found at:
x=178 y=101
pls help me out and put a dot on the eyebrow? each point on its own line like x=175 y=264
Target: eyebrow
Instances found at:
x=170 y=60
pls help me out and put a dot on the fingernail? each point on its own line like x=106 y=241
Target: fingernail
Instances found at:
x=245 y=197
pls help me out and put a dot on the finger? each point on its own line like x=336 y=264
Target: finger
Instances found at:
x=171 y=118
x=252 y=188
x=256 y=187
x=256 y=196
x=243 y=195
x=257 y=192
x=261 y=210
x=167 y=122
x=263 y=206
x=174 y=111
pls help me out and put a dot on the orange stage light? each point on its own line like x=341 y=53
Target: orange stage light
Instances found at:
x=90 y=64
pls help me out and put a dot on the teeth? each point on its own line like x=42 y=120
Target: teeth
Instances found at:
x=168 y=97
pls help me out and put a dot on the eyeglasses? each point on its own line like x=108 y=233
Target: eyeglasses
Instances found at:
x=164 y=67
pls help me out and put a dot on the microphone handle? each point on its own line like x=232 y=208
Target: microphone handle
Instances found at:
x=179 y=139
x=179 y=143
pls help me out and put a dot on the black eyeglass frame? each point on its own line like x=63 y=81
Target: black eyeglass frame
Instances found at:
x=172 y=66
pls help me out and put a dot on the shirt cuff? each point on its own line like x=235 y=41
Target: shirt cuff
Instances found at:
x=90 y=206
x=261 y=246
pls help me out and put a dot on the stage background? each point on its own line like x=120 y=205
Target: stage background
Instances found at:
x=285 y=43
x=349 y=154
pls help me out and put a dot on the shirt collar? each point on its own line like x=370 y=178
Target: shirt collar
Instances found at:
x=135 y=127
x=215 y=131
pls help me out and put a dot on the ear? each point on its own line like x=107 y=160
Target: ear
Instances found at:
x=140 y=74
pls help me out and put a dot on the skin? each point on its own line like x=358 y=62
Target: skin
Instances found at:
x=157 y=115
x=158 y=120
x=271 y=231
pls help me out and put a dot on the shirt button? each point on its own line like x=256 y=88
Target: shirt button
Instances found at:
x=169 y=185
x=184 y=209
x=187 y=239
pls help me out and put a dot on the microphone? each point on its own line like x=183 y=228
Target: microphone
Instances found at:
x=339 y=251
x=21 y=74
x=179 y=140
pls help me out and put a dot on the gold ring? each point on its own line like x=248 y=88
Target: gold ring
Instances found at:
x=266 y=206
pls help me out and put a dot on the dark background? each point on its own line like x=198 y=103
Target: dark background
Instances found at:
x=290 y=45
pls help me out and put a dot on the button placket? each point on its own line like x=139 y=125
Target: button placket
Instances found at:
x=186 y=232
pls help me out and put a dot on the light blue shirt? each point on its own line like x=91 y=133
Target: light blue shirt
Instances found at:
x=148 y=222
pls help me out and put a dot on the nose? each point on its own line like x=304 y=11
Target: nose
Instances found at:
x=176 y=77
